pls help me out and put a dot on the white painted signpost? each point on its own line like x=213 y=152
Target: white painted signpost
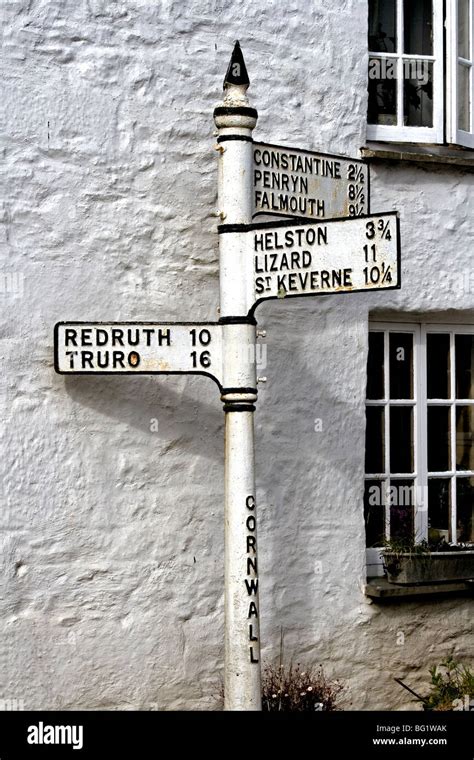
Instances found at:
x=314 y=253
x=337 y=256
x=139 y=348
x=300 y=183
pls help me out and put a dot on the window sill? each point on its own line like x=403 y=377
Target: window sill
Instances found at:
x=425 y=154
x=380 y=589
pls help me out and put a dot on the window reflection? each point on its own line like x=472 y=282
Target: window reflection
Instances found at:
x=418 y=27
x=465 y=510
x=382 y=26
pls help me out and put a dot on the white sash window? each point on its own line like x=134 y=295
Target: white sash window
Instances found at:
x=419 y=482
x=460 y=74
x=420 y=80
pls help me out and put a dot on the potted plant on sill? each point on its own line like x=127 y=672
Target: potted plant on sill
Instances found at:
x=410 y=563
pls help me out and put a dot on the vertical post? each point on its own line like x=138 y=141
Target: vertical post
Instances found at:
x=235 y=121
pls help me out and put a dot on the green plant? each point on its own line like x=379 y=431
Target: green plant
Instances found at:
x=291 y=689
x=441 y=545
x=394 y=548
x=450 y=681
x=408 y=546
x=404 y=546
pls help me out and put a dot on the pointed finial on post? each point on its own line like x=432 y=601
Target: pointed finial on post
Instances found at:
x=236 y=73
x=236 y=103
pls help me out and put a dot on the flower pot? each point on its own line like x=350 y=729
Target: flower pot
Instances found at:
x=408 y=568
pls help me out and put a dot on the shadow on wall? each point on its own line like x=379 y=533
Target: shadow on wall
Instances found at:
x=166 y=408
x=310 y=477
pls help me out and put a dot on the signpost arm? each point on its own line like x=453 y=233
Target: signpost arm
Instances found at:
x=235 y=120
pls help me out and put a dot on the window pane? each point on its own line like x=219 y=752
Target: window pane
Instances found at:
x=438 y=439
x=374 y=512
x=464 y=98
x=464 y=348
x=401 y=439
x=437 y=366
x=464 y=436
x=374 y=440
x=382 y=26
x=382 y=92
x=439 y=501
x=401 y=509
x=375 y=366
x=418 y=27
x=401 y=365
x=463 y=29
x=418 y=93
x=465 y=509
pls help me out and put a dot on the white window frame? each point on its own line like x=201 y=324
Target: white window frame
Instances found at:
x=454 y=134
x=398 y=132
x=420 y=424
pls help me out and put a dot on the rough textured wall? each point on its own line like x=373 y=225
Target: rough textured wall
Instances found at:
x=112 y=582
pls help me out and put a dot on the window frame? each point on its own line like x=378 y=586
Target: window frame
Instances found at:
x=399 y=132
x=420 y=404
x=455 y=135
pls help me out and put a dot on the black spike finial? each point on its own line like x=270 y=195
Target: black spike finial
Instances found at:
x=236 y=70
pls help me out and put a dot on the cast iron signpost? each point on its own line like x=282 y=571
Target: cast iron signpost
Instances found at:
x=337 y=256
x=294 y=182
x=139 y=348
x=313 y=253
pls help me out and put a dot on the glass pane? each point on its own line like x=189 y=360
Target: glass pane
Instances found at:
x=465 y=510
x=374 y=440
x=464 y=436
x=439 y=501
x=401 y=439
x=401 y=496
x=382 y=91
x=464 y=350
x=463 y=29
x=382 y=26
x=437 y=366
x=439 y=457
x=374 y=512
x=464 y=98
x=375 y=366
x=418 y=27
x=418 y=93
x=401 y=365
